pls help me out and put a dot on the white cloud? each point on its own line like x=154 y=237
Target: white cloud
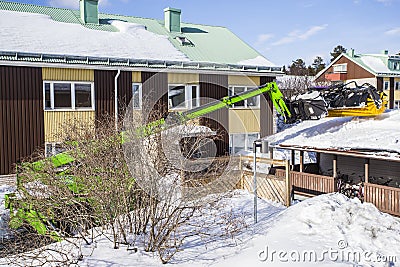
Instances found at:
x=72 y=3
x=298 y=35
x=262 y=38
x=394 y=31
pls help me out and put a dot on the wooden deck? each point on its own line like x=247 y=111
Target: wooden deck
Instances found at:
x=309 y=184
x=385 y=198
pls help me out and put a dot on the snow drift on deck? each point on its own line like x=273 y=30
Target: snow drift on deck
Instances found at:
x=40 y=34
x=373 y=133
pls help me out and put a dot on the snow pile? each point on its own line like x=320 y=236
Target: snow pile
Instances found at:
x=257 y=61
x=354 y=233
x=40 y=34
x=375 y=63
x=375 y=133
x=4 y=214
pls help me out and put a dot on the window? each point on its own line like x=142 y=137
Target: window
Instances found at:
x=53 y=149
x=137 y=95
x=247 y=103
x=242 y=141
x=396 y=85
x=68 y=95
x=340 y=68
x=183 y=96
x=397 y=104
x=386 y=85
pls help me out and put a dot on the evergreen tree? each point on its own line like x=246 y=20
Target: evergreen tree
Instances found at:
x=298 y=68
x=337 y=51
x=317 y=65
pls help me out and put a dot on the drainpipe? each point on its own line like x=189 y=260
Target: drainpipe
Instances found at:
x=116 y=99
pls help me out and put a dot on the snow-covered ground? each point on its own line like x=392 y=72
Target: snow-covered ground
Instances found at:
x=328 y=230
x=4 y=214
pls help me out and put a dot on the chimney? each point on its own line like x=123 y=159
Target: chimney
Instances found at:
x=351 y=52
x=172 y=19
x=385 y=52
x=89 y=11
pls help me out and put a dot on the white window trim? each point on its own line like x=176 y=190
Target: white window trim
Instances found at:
x=140 y=95
x=53 y=148
x=397 y=85
x=340 y=68
x=396 y=104
x=188 y=96
x=388 y=85
x=231 y=87
x=92 y=108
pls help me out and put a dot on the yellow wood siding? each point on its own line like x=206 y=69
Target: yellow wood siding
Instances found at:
x=136 y=77
x=244 y=120
x=183 y=78
x=56 y=74
x=244 y=80
x=55 y=123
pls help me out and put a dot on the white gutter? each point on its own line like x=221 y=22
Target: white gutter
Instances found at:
x=116 y=99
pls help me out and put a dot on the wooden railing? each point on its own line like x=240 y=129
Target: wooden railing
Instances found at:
x=385 y=198
x=309 y=184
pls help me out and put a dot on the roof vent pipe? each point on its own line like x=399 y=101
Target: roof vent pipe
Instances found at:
x=172 y=19
x=89 y=11
x=385 y=52
x=351 y=52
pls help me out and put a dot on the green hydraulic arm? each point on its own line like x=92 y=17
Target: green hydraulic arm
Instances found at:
x=181 y=117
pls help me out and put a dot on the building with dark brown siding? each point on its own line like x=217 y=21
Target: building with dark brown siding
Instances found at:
x=44 y=86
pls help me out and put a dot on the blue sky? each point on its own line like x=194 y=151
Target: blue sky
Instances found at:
x=280 y=30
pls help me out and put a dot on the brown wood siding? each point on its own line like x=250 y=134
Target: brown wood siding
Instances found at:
x=379 y=83
x=354 y=71
x=215 y=87
x=154 y=94
x=124 y=92
x=21 y=114
x=104 y=93
x=391 y=93
x=266 y=111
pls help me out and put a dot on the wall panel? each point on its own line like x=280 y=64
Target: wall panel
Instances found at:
x=266 y=111
x=21 y=114
x=183 y=78
x=64 y=74
x=244 y=121
x=243 y=80
x=215 y=87
x=56 y=123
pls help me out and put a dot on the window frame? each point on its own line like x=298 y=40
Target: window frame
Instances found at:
x=397 y=85
x=140 y=95
x=340 y=68
x=188 y=96
x=396 y=104
x=53 y=149
x=386 y=83
x=231 y=88
x=73 y=100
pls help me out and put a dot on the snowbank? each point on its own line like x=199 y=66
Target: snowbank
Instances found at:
x=4 y=214
x=345 y=227
x=374 y=133
x=40 y=34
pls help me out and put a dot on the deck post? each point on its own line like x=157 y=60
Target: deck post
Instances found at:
x=293 y=154
x=288 y=185
x=301 y=161
x=366 y=170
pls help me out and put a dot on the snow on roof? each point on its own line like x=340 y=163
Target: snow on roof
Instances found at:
x=375 y=63
x=379 y=133
x=257 y=61
x=38 y=33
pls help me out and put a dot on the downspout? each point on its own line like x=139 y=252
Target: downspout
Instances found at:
x=116 y=99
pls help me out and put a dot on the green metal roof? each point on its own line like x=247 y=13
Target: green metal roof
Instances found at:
x=208 y=43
